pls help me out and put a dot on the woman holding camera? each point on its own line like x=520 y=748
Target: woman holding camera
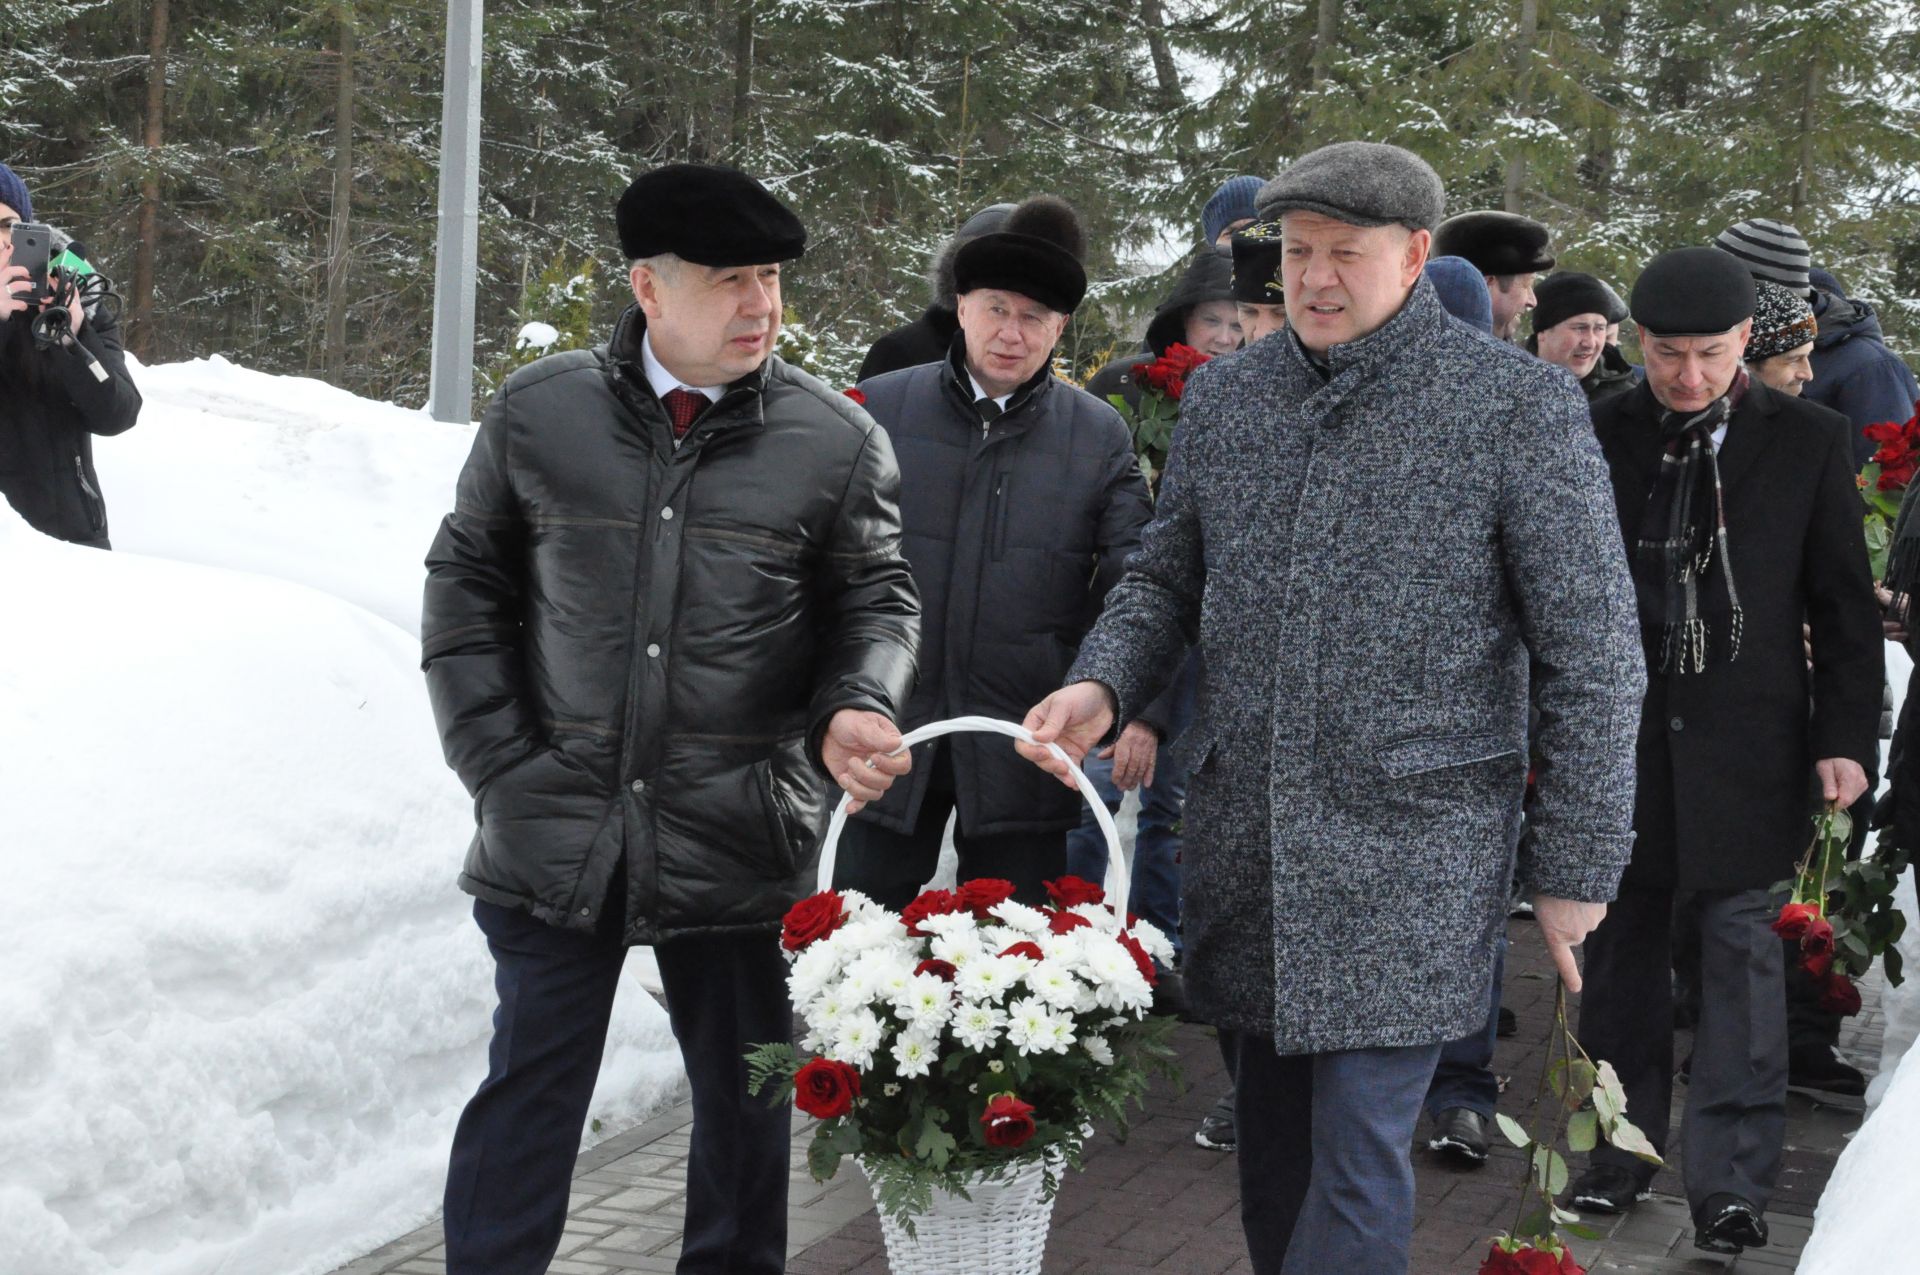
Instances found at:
x=60 y=384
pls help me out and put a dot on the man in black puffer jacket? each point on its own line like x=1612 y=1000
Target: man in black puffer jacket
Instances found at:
x=669 y=604
x=1021 y=501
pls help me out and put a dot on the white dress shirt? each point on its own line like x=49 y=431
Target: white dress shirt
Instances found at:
x=663 y=381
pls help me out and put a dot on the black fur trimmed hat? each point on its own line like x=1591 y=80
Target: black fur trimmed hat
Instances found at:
x=709 y=215
x=1037 y=254
x=1497 y=243
x=1256 y=265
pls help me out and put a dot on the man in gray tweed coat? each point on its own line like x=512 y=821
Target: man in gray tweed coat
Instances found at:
x=1384 y=528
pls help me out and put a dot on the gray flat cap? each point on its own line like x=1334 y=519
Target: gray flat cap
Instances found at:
x=1363 y=183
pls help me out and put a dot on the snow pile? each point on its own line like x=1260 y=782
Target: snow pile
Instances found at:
x=536 y=336
x=244 y=1001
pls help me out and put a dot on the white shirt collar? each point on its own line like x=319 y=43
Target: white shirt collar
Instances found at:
x=980 y=392
x=662 y=380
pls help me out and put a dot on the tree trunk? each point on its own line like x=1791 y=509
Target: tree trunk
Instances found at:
x=1803 y=180
x=140 y=319
x=1165 y=73
x=742 y=71
x=339 y=223
x=1523 y=102
x=1600 y=165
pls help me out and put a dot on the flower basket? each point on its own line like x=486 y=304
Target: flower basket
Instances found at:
x=963 y=1048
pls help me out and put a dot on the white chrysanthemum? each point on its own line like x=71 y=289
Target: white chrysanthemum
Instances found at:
x=985 y=977
x=1067 y=950
x=818 y=966
x=858 y=1037
x=1102 y=916
x=858 y=905
x=949 y=924
x=914 y=1054
x=1018 y=916
x=1117 y=983
x=1053 y=983
x=880 y=975
x=977 y=1025
x=957 y=949
x=1156 y=943
x=926 y=1003
x=880 y=929
x=1034 y=1029
x=996 y=937
x=825 y=1012
x=1099 y=1050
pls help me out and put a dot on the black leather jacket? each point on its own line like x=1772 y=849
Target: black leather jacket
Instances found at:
x=633 y=649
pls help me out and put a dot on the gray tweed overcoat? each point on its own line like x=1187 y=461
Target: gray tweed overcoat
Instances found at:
x=1378 y=566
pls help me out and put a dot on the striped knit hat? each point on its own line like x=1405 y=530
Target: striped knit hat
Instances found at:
x=1773 y=251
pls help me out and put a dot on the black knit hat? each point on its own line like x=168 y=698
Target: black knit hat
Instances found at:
x=1037 y=254
x=1256 y=264
x=1782 y=321
x=1497 y=243
x=1693 y=292
x=709 y=215
x=1565 y=293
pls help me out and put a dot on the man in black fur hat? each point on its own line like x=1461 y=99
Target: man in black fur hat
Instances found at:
x=1020 y=501
x=1509 y=250
x=925 y=340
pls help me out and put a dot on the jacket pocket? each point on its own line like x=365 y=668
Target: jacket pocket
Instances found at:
x=89 y=496
x=779 y=840
x=1408 y=757
x=997 y=517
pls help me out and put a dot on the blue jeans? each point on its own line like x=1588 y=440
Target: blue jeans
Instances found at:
x=1465 y=1076
x=1326 y=1175
x=1156 y=848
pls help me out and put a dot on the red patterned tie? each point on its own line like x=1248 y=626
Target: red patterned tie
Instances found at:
x=683 y=406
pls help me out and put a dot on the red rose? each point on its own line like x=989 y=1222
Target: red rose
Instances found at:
x=982 y=894
x=1140 y=958
x=929 y=903
x=1072 y=891
x=813 y=917
x=825 y=1088
x=1839 y=996
x=1007 y=1121
x=1896 y=477
x=1816 y=963
x=1061 y=922
x=1884 y=432
x=1794 y=919
x=938 y=968
x=1818 y=938
x=855 y=393
x=1027 y=949
x=1528 y=1261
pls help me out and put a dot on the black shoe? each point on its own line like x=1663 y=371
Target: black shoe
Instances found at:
x=1460 y=1134
x=1508 y=1024
x=1606 y=1189
x=1216 y=1131
x=1728 y=1224
x=1170 y=995
x=1820 y=1073
x=1685 y=1074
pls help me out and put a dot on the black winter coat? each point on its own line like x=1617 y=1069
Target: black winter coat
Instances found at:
x=633 y=649
x=1725 y=756
x=925 y=340
x=47 y=429
x=1015 y=532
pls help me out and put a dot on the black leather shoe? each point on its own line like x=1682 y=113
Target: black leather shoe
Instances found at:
x=1170 y=995
x=1216 y=1131
x=1820 y=1073
x=1460 y=1134
x=1603 y=1188
x=1508 y=1024
x=1728 y=1224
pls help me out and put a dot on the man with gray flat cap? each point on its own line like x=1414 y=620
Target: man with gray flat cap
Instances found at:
x=667 y=614
x=1506 y=248
x=1740 y=517
x=1384 y=529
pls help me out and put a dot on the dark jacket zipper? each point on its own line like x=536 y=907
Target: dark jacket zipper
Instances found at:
x=96 y=512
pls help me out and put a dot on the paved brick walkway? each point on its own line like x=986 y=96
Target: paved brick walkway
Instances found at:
x=1160 y=1204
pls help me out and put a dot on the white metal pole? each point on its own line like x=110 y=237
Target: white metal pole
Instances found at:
x=456 y=260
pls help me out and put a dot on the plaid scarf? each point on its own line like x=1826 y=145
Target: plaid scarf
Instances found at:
x=1684 y=527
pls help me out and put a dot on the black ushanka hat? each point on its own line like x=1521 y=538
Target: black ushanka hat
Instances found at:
x=1497 y=243
x=1037 y=254
x=709 y=215
x=1693 y=292
x=1257 y=256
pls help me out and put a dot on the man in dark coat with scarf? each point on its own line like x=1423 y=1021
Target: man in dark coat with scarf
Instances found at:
x=1738 y=508
x=1384 y=529
x=926 y=339
x=667 y=613
x=1021 y=501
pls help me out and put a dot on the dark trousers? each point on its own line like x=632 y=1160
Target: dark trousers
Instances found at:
x=1326 y=1177
x=1464 y=1076
x=1154 y=891
x=890 y=867
x=1736 y=1099
x=514 y=1148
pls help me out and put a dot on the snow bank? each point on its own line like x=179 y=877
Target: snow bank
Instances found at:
x=244 y=1001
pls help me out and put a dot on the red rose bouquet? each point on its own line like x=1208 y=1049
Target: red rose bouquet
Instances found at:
x=1161 y=383
x=1883 y=483
x=965 y=1036
x=1841 y=912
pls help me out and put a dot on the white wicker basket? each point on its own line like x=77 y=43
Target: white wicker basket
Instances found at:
x=1002 y=1230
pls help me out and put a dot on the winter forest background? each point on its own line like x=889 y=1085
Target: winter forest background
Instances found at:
x=261 y=182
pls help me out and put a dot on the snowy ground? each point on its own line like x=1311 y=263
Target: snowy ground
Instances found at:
x=244 y=1000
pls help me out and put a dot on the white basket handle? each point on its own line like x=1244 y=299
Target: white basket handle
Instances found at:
x=1119 y=877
